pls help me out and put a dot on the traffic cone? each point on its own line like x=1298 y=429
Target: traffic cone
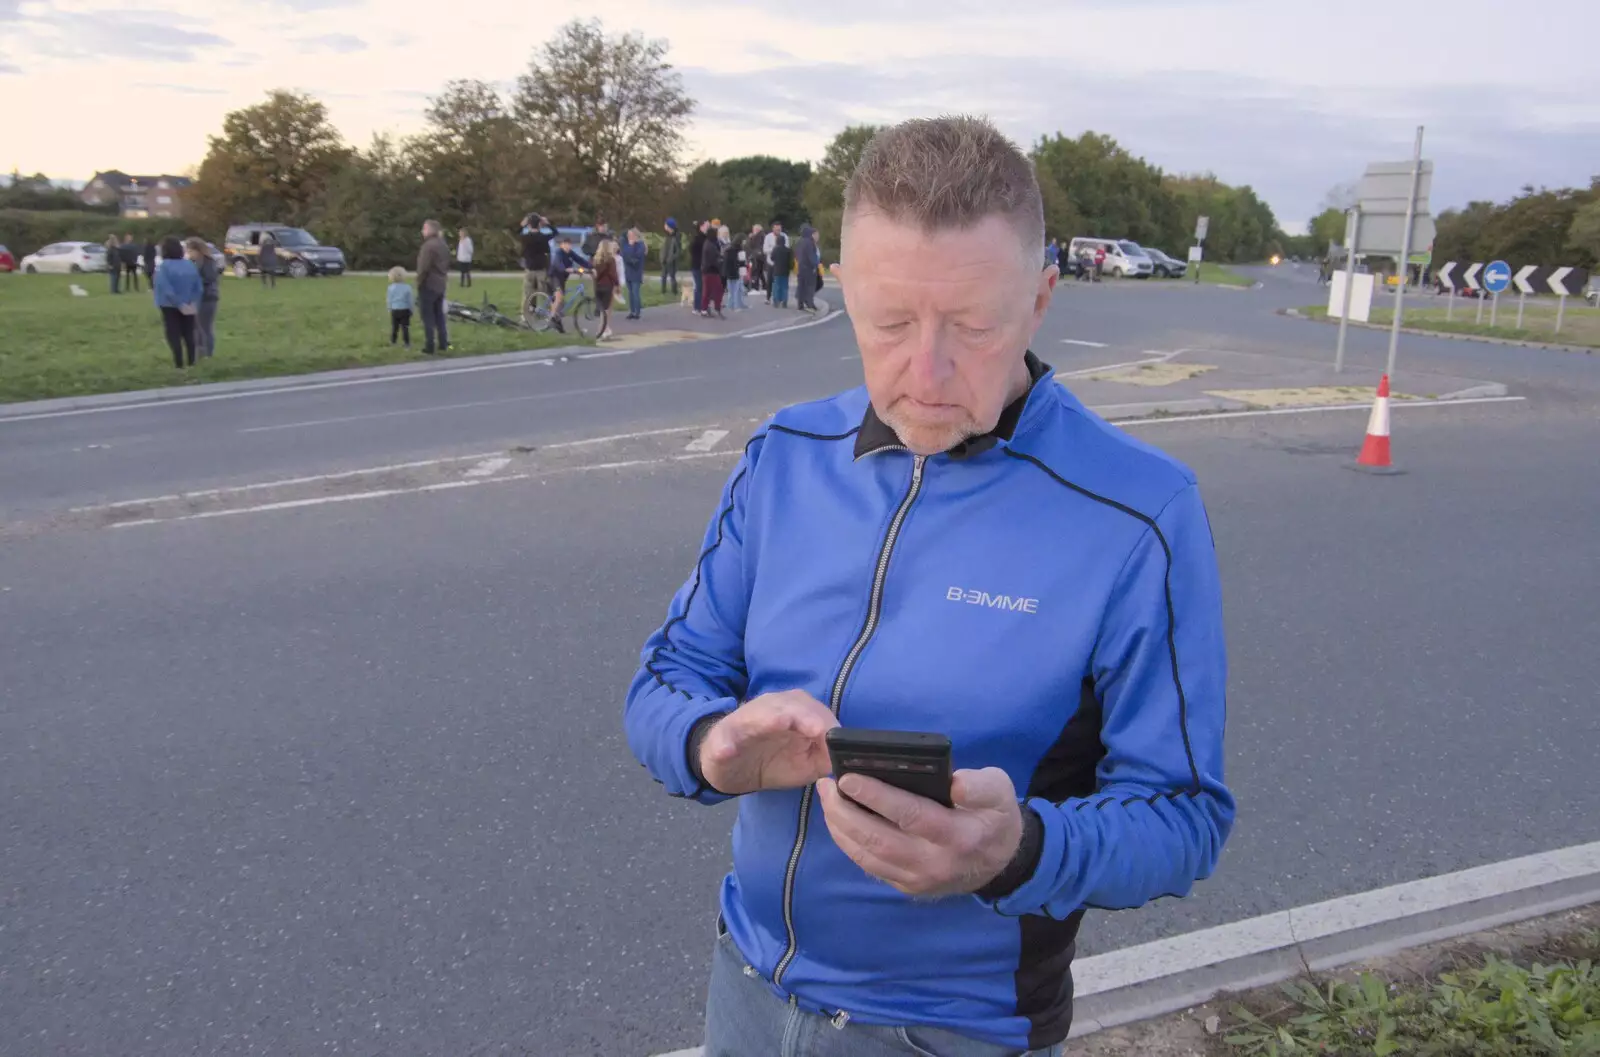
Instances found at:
x=1374 y=457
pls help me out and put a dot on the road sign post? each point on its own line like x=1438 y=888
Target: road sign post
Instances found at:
x=1405 y=253
x=1197 y=251
x=1496 y=277
x=1561 y=311
x=1352 y=228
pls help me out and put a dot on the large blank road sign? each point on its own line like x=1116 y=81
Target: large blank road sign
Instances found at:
x=1386 y=188
x=1380 y=235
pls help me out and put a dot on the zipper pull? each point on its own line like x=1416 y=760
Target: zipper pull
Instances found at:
x=840 y=1019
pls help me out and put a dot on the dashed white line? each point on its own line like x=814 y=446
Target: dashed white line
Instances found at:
x=604 y=353
x=706 y=441
x=554 y=395
x=1085 y=344
x=489 y=467
x=797 y=326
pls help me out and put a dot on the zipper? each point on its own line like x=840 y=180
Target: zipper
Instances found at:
x=874 y=606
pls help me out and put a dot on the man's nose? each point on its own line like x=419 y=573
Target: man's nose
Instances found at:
x=930 y=357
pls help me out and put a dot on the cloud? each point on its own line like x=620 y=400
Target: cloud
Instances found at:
x=310 y=6
x=150 y=35
x=9 y=69
x=342 y=43
x=181 y=89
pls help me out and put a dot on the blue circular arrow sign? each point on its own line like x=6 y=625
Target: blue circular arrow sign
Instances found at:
x=1497 y=276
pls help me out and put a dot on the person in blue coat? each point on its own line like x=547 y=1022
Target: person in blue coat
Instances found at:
x=178 y=291
x=633 y=254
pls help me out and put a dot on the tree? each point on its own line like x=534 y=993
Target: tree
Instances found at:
x=373 y=210
x=1583 y=237
x=1326 y=229
x=474 y=164
x=823 y=196
x=784 y=181
x=749 y=202
x=273 y=161
x=609 y=110
x=1341 y=197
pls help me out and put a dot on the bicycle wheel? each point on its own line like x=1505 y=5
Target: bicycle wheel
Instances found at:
x=586 y=317
x=536 y=313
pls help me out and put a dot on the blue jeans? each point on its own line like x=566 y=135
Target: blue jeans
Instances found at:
x=635 y=296
x=699 y=291
x=736 y=292
x=780 y=288
x=745 y=1018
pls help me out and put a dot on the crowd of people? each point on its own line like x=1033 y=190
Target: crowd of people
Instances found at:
x=182 y=278
x=724 y=268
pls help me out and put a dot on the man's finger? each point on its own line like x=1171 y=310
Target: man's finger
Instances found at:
x=871 y=843
x=978 y=790
x=907 y=811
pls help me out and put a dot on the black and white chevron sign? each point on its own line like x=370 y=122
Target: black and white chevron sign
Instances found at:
x=1467 y=277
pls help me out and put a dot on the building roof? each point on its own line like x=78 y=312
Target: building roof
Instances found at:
x=119 y=179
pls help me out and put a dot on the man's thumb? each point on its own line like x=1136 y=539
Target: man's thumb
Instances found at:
x=989 y=787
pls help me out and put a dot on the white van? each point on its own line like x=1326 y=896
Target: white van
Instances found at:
x=1124 y=259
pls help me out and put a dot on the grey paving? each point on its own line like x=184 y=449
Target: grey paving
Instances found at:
x=351 y=778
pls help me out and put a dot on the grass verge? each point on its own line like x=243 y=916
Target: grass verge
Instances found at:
x=1526 y=990
x=53 y=344
x=1580 y=324
x=1219 y=275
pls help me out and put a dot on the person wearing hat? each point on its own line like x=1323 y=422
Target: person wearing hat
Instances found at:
x=671 y=250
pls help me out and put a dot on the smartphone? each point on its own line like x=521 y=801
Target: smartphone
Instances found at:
x=915 y=761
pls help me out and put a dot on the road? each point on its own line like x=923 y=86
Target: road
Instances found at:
x=348 y=777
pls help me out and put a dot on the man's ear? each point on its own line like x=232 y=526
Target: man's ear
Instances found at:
x=1047 y=286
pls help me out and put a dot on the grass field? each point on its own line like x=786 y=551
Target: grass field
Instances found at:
x=1218 y=275
x=53 y=344
x=1579 y=326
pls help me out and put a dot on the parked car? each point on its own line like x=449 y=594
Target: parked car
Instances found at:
x=1124 y=259
x=8 y=263
x=299 y=253
x=1166 y=267
x=66 y=257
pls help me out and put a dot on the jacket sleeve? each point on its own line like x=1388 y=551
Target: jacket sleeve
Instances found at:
x=694 y=666
x=1160 y=813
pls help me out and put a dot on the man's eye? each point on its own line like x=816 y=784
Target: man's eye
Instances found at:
x=972 y=332
x=894 y=328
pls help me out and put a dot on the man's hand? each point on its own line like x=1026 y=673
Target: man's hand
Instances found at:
x=921 y=847
x=775 y=741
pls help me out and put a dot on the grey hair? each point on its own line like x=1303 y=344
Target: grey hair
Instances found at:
x=432 y=225
x=948 y=172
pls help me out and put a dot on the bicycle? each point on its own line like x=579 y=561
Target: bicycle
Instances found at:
x=579 y=307
x=485 y=313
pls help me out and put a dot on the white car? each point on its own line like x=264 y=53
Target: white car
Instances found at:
x=66 y=257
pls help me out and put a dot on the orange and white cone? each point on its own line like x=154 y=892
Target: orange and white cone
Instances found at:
x=1374 y=455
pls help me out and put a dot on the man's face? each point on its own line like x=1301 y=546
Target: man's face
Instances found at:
x=942 y=321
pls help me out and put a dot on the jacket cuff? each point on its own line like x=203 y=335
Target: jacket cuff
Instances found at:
x=1039 y=886
x=697 y=734
x=1023 y=864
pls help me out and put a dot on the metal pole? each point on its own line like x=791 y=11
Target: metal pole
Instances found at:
x=1405 y=253
x=1479 y=319
x=1450 y=304
x=1522 y=300
x=1352 y=227
x=1561 y=310
x=1494 y=309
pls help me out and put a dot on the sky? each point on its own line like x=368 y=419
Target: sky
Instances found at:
x=1292 y=97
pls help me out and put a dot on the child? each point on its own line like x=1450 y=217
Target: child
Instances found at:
x=606 y=282
x=400 y=305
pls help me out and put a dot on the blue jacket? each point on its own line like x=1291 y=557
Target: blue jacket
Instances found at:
x=633 y=254
x=400 y=298
x=177 y=282
x=1046 y=595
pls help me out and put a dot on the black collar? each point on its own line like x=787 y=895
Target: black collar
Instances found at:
x=875 y=434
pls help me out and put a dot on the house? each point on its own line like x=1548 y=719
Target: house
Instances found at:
x=137 y=196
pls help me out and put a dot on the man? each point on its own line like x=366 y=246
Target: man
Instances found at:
x=808 y=265
x=671 y=250
x=563 y=262
x=697 y=250
x=433 y=282
x=768 y=244
x=128 y=255
x=755 y=260
x=535 y=234
x=959 y=547
x=597 y=234
x=114 y=263
x=1052 y=254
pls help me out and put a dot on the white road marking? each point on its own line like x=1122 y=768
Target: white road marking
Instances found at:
x=473 y=403
x=798 y=326
x=367 y=470
x=1264 y=412
x=306 y=388
x=602 y=355
x=1085 y=344
x=489 y=467
x=382 y=493
x=706 y=441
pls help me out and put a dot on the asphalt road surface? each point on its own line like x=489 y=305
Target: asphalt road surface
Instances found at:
x=348 y=777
